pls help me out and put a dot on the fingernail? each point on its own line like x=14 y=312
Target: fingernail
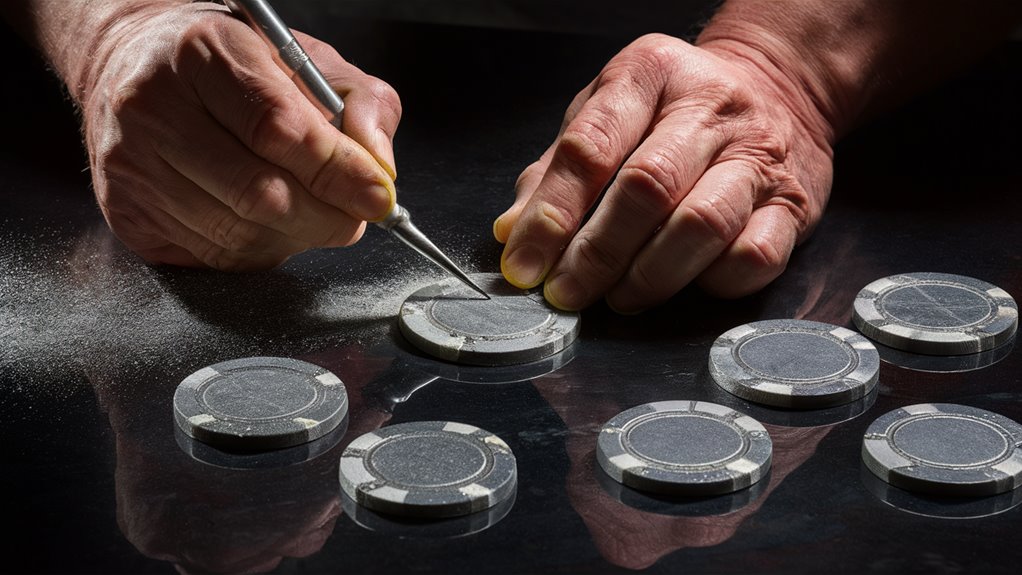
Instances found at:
x=565 y=292
x=387 y=167
x=375 y=203
x=524 y=267
x=500 y=229
x=383 y=142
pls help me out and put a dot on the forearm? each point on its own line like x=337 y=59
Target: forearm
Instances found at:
x=849 y=59
x=73 y=36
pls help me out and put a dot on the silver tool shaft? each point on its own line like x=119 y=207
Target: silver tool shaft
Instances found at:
x=264 y=20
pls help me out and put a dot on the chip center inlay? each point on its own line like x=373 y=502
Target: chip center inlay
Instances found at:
x=950 y=441
x=936 y=305
x=685 y=440
x=267 y=393
x=795 y=356
x=498 y=316
x=428 y=460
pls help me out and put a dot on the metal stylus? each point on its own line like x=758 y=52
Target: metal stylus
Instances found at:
x=264 y=20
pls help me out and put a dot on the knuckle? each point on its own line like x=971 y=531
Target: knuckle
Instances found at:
x=272 y=121
x=587 y=146
x=555 y=220
x=197 y=42
x=598 y=258
x=530 y=175
x=384 y=95
x=715 y=216
x=790 y=194
x=651 y=185
x=655 y=51
x=658 y=52
x=233 y=233
x=765 y=257
x=262 y=197
x=726 y=97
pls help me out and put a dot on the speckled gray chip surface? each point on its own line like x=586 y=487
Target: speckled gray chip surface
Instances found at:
x=428 y=469
x=796 y=364
x=260 y=403
x=450 y=321
x=945 y=449
x=936 y=313
x=692 y=448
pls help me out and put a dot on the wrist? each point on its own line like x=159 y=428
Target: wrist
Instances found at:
x=110 y=35
x=805 y=55
x=766 y=62
x=78 y=38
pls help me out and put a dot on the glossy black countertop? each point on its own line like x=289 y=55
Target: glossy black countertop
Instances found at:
x=93 y=343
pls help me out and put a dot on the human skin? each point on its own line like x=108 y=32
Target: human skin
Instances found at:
x=715 y=159
x=203 y=152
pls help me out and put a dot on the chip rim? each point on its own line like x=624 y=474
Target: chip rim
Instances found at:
x=318 y=418
x=367 y=487
x=854 y=382
x=996 y=329
x=433 y=528
x=750 y=465
x=414 y=322
x=899 y=468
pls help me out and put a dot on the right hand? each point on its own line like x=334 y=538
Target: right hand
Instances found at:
x=695 y=163
x=205 y=153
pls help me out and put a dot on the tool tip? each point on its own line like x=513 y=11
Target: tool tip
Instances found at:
x=465 y=279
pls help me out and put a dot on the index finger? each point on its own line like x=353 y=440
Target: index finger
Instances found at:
x=237 y=80
x=589 y=151
x=372 y=108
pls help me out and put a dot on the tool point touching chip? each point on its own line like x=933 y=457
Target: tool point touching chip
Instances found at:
x=450 y=321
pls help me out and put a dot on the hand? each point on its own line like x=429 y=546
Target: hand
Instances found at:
x=714 y=168
x=205 y=153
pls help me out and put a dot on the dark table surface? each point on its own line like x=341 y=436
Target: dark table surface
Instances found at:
x=93 y=343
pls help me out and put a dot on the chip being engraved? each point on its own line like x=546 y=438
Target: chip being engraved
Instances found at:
x=452 y=322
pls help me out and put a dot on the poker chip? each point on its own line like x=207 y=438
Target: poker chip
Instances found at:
x=260 y=403
x=689 y=448
x=452 y=322
x=945 y=449
x=936 y=314
x=428 y=469
x=794 y=364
